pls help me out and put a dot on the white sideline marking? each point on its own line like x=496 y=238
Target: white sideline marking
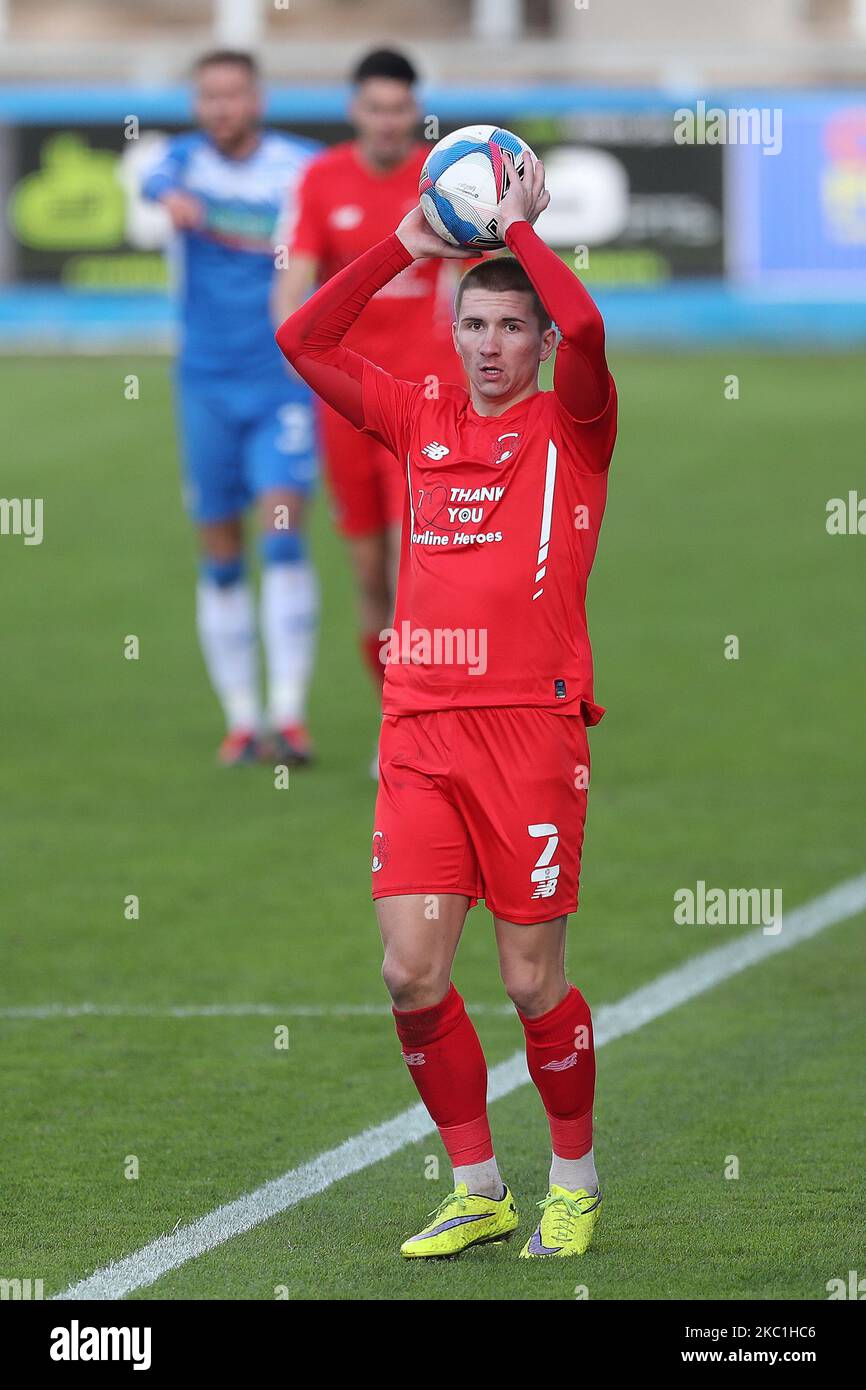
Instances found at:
x=336 y=1011
x=611 y=1021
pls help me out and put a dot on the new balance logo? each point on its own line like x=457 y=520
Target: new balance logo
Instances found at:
x=435 y=451
x=415 y=1059
x=545 y=875
x=569 y=1061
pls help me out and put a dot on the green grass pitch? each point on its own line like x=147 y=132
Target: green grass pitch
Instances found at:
x=743 y=773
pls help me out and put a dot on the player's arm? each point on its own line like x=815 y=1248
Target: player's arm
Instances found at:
x=292 y=285
x=300 y=235
x=164 y=184
x=581 y=378
x=312 y=337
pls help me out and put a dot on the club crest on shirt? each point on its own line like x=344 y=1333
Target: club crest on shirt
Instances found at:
x=504 y=447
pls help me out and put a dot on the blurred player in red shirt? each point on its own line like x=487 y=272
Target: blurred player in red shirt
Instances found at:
x=484 y=760
x=351 y=197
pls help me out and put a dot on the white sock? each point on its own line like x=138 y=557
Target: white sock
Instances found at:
x=482 y=1179
x=572 y=1173
x=227 y=632
x=290 y=609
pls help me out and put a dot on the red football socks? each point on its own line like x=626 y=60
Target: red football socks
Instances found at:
x=443 y=1054
x=561 y=1060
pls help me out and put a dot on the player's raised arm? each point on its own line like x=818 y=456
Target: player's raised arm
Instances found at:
x=580 y=379
x=312 y=337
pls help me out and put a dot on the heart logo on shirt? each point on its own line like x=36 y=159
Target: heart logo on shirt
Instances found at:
x=431 y=503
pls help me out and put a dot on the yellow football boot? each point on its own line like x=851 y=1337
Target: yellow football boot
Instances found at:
x=568 y=1220
x=461 y=1220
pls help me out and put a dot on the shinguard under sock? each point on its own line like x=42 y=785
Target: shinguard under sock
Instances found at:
x=446 y=1062
x=560 y=1055
x=226 y=624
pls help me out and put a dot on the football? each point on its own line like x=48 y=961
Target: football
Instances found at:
x=463 y=181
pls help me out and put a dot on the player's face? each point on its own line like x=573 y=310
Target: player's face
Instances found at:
x=227 y=104
x=385 y=115
x=501 y=344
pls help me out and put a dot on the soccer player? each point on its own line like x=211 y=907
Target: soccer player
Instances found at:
x=352 y=196
x=488 y=689
x=247 y=424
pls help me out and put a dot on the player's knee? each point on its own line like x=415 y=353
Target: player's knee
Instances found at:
x=222 y=573
x=411 y=984
x=283 y=548
x=532 y=986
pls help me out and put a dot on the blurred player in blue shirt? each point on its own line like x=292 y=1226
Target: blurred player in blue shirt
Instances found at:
x=246 y=423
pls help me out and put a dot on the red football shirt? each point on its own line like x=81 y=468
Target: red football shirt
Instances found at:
x=343 y=209
x=502 y=513
x=500 y=529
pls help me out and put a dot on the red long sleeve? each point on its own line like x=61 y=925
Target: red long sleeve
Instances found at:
x=311 y=338
x=580 y=378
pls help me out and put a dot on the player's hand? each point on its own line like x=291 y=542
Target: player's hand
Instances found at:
x=185 y=211
x=526 y=197
x=420 y=239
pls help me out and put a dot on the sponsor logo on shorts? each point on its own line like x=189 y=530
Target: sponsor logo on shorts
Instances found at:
x=414 y=1059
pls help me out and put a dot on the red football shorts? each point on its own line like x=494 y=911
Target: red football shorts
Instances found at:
x=366 y=483
x=489 y=802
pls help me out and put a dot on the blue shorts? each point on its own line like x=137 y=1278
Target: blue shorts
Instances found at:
x=242 y=435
